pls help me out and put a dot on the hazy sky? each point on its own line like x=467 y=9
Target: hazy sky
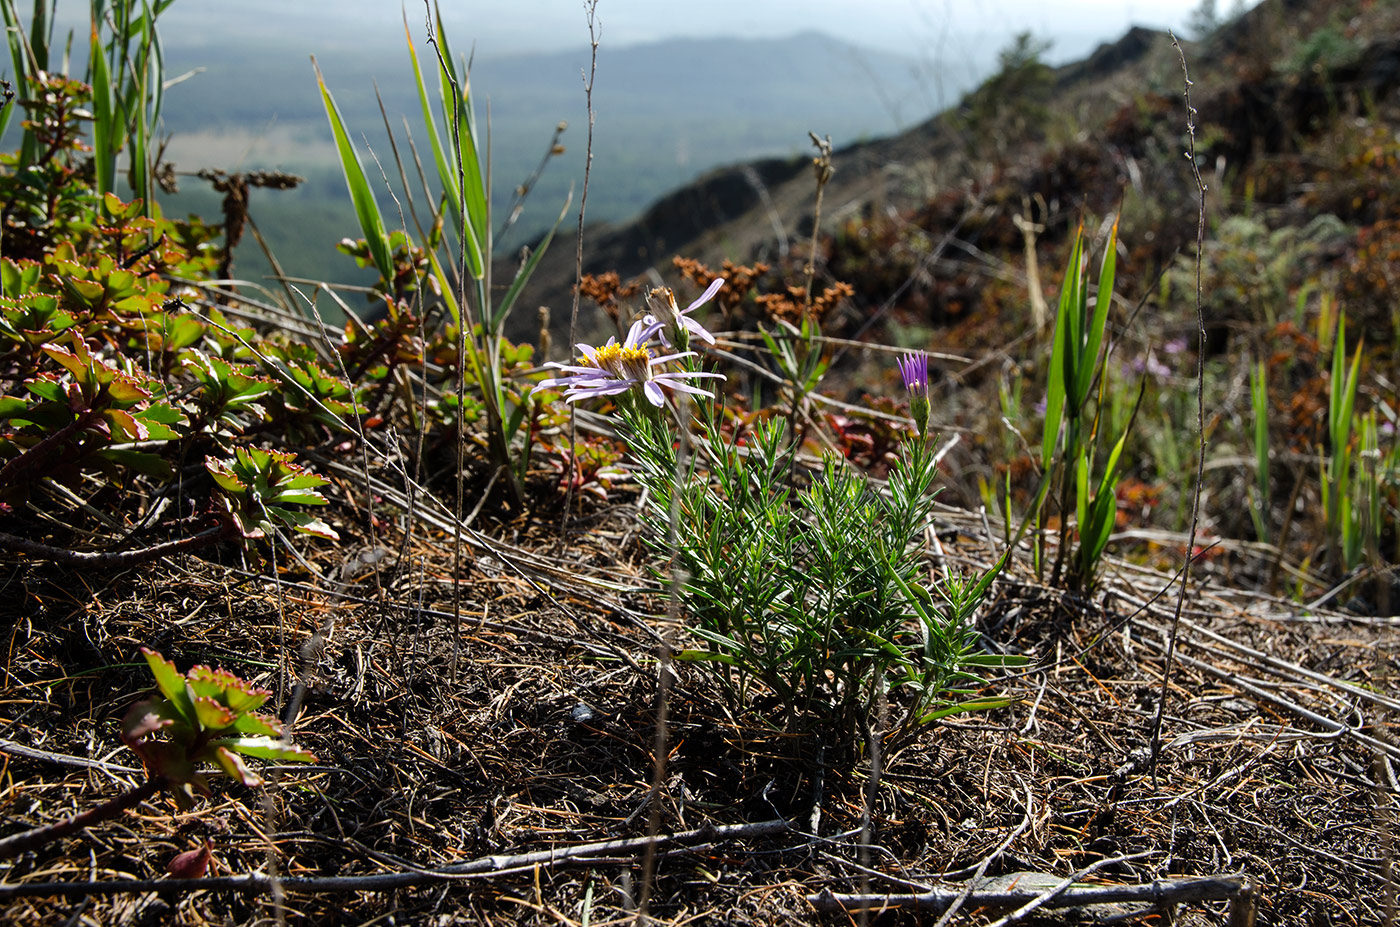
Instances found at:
x=953 y=30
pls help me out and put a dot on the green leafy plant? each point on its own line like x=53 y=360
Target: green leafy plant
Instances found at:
x=1074 y=415
x=480 y=318
x=256 y=486
x=800 y=356
x=203 y=722
x=811 y=601
x=1343 y=515
x=205 y=717
x=125 y=84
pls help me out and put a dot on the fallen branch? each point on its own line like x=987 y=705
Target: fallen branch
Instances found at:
x=1174 y=891
x=33 y=839
x=617 y=852
x=115 y=560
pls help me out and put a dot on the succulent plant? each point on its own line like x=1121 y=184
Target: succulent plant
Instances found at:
x=207 y=717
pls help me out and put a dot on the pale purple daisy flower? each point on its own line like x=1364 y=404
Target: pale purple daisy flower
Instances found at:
x=665 y=318
x=616 y=368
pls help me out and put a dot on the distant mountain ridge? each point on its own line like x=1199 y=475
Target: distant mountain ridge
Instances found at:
x=732 y=211
x=665 y=113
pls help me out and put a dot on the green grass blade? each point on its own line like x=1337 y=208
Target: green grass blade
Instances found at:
x=502 y=311
x=446 y=175
x=1349 y=397
x=104 y=117
x=15 y=39
x=1085 y=373
x=1076 y=289
x=462 y=143
x=1081 y=491
x=1336 y=427
x=366 y=209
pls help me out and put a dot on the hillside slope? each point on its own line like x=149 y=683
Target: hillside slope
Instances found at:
x=1056 y=145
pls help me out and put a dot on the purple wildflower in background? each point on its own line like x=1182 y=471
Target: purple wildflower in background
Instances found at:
x=616 y=368
x=666 y=319
x=913 y=367
x=1149 y=365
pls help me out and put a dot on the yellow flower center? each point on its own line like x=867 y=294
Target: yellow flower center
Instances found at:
x=621 y=361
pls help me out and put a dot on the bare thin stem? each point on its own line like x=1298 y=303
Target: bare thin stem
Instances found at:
x=1156 y=741
x=620 y=852
x=1179 y=891
x=595 y=32
x=113 y=560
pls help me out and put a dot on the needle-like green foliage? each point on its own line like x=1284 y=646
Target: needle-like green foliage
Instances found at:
x=815 y=600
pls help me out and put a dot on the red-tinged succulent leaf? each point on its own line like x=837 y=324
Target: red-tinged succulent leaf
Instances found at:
x=158 y=417
x=124 y=388
x=67 y=359
x=171 y=683
x=287 y=494
x=304 y=479
x=306 y=524
x=258 y=725
x=227 y=688
x=234 y=767
x=265 y=748
x=191 y=864
x=86 y=291
x=205 y=682
x=223 y=475
x=213 y=716
x=125 y=425
x=148 y=716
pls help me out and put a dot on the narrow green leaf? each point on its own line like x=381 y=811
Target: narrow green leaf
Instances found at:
x=15 y=39
x=1097 y=326
x=981 y=704
x=1336 y=425
x=502 y=311
x=105 y=132
x=361 y=194
x=446 y=173
x=462 y=143
x=1056 y=379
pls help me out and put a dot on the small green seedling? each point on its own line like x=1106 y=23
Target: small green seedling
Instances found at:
x=257 y=485
x=208 y=717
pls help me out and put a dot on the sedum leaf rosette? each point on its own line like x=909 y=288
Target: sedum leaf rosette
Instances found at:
x=257 y=485
x=201 y=718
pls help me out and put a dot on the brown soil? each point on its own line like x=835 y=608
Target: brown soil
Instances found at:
x=543 y=739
